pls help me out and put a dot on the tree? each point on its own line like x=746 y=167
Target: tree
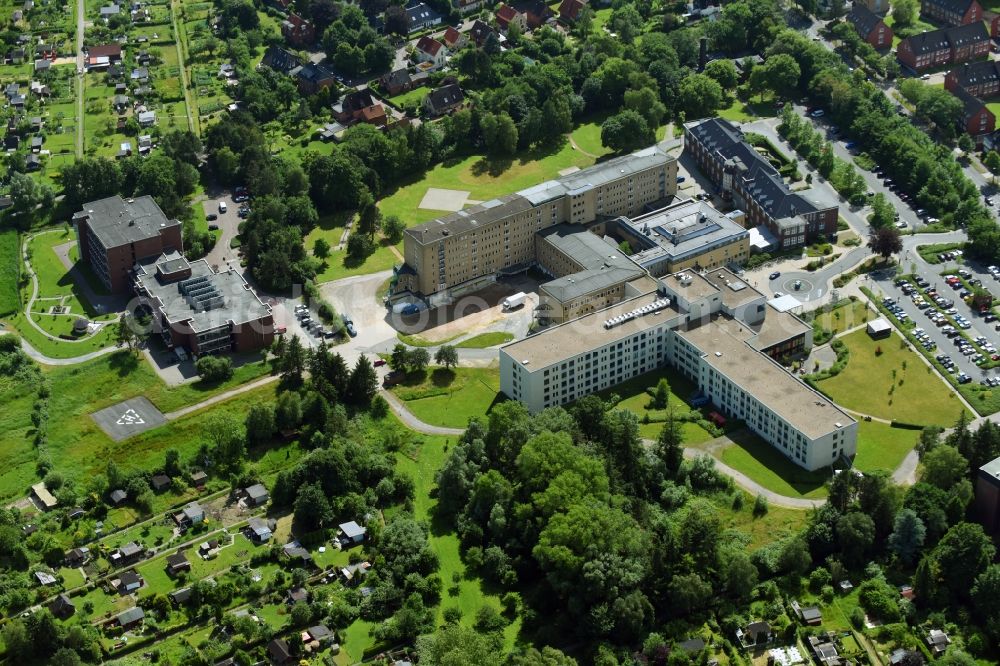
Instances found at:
x=904 y=12
x=260 y=423
x=699 y=96
x=214 y=368
x=724 y=71
x=293 y=363
x=26 y=193
x=447 y=356
x=363 y=384
x=393 y=228
x=661 y=395
x=129 y=332
x=981 y=299
x=399 y=359
x=646 y=102
x=455 y=644
x=885 y=241
x=779 y=73
x=288 y=413
x=321 y=248
x=626 y=131
x=883 y=214
x=992 y=162
x=962 y=555
x=312 y=509
x=670 y=444
x=907 y=536
x=418 y=359
x=944 y=466
x=396 y=21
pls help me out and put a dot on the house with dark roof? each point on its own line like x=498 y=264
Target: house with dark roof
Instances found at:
x=952 y=12
x=298 y=31
x=396 y=82
x=278 y=652
x=279 y=60
x=128 y=582
x=297 y=595
x=431 y=50
x=347 y=110
x=256 y=494
x=130 y=618
x=420 y=16
x=505 y=16
x=258 y=531
x=466 y=6
x=977 y=120
x=937 y=642
x=444 y=100
x=947 y=45
x=311 y=78
x=754 y=635
x=746 y=178
x=159 y=481
x=981 y=79
x=181 y=596
x=118 y=496
x=127 y=554
x=870 y=26
x=77 y=557
x=62 y=607
x=480 y=32
x=177 y=563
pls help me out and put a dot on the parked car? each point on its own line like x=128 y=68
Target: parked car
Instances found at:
x=211 y=216
x=774 y=276
x=379 y=362
x=349 y=325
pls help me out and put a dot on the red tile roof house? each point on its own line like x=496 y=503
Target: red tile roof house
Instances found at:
x=431 y=50
x=506 y=15
x=113 y=52
x=944 y=46
x=952 y=12
x=298 y=31
x=454 y=39
x=569 y=10
x=870 y=27
x=994 y=21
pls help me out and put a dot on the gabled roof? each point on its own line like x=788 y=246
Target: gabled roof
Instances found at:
x=947 y=38
x=429 y=45
x=108 y=50
x=279 y=59
x=131 y=615
x=445 y=96
x=570 y=9
x=399 y=77
x=356 y=100
x=968 y=34
x=451 y=36
x=506 y=13
x=975 y=73
x=971 y=105
x=959 y=6
x=863 y=19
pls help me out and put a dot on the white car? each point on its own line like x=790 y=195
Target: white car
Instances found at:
x=818 y=113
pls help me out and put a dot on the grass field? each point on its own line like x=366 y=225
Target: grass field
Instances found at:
x=415 y=95
x=741 y=112
x=10 y=269
x=484 y=340
x=449 y=398
x=845 y=317
x=764 y=464
x=588 y=136
x=635 y=398
x=775 y=525
x=884 y=378
x=880 y=446
x=483 y=178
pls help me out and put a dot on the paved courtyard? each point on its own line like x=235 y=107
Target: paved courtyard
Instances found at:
x=128 y=418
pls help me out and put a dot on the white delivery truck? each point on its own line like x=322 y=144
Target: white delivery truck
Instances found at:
x=515 y=301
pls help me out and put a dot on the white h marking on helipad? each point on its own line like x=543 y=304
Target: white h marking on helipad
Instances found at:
x=130 y=417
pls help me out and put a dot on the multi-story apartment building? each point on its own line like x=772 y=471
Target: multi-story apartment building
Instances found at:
x=745 y=177
x=465 y=250
x=713 y=328
x=870 y=26
x=977 y=120
x=115 y=234
x=201 y=310
x=952 y=12
x=981 y=79
x=987 y=503
x=947 y=45
x=876 y=6
x=686 y=234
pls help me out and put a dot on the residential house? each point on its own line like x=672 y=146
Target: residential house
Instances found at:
x=981 y=79
x=103 y=56
x=977 y=120
x=312 y=78
x=350 y=533
x=36 y=123
x=130 y=618
x=62 y=607
x=18 y=102
x=952 y=12
x=453 y=39
x=44 y=578
x=199 y=478
x=400 y=81
x=32 y=162
x=279 y=60
x=825 y=650
x=937 y=642
x=374 y=115
x=146 y=118
x=177 y=563
x=420 y=16
x=870 y=26
x=947 y=45
x=40 y=89
x=993 y=20
x=181 y=596
x=348 y=109
x=39 y=490
x=506 y=16
x=140 y=75
x=159 y=481
x=877 y=6
x=755 y=634
x=536 y=12
x=36 y=144
x=190 y=515
x=296 y=553
x=353 y=574
x=810 y=615
x=258 y=531
x=297 y=595
x=11 y=142
x=444 y=100
x=431 y=50
x=466 y=6
x=42 y=65
x=127 y=554
x=298 y=31
x=256 y=495
x=108 y=11
x=569 y=10
x=319 y=634
x=46 y=51
x=480 y=32
x=129 y=582
x=278 y=652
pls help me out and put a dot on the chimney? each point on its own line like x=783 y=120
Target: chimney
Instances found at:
x=702 y=53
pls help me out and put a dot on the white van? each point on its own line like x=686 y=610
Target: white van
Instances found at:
x=222 y=206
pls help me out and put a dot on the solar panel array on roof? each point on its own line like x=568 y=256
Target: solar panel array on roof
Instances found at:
x=200 y=293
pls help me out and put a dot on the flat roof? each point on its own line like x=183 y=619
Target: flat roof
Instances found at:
x=784 y=303
x=693 y=289
x=810 y=412
x=683 y=229
x=991 y=469
x=604 y=265
x=586 y=333
x=206 y=300
x=116 y=221
x=777 y=327
x=468 y=219
x=735 y=291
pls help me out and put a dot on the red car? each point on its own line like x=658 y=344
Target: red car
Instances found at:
x=379 y=362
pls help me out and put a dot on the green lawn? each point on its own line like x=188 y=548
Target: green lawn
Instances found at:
x=842 y=318
x=449 y=398
x=588 y=137
x=484 y=340
x=635 y=398
x=880 y=446
x=54 y=280
x=483 y=178
x=767 y=466
x=775 y=525
x=58 y=326
x=885 y=379
x=10 y=270
x=742 y=112
x=339 y=265
x=415 y=95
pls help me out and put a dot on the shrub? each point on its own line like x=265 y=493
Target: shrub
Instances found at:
x=214 y=368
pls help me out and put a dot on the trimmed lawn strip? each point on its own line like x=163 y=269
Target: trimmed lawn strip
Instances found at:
x=885 y=379
x=60 y=348
x=880 y=446
x=484 y=340
x=416 y=340
x=449 y=398
x=844 y=317
x=10 y=271
x=764 y=464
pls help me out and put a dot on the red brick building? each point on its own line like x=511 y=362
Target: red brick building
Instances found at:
x=298 y=31
x=981 y=79
x=115 y=234
x=947 y=45
x=870 y=26
x=952 y=12
x=977 y=119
